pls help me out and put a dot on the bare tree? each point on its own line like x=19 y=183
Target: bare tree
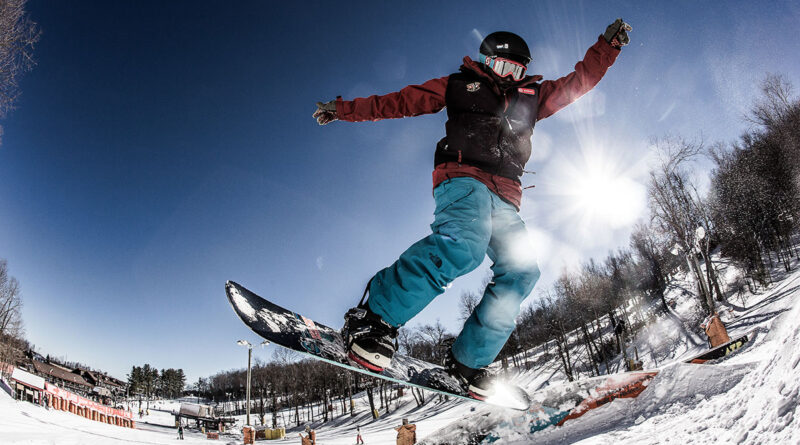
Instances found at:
x=655 y=262
x=775 y=101
x=678 y=209
x=555 y=317
x=10 y=315
x=18 y=34
x=438 y=338
x=467 y=304
x=284 y=356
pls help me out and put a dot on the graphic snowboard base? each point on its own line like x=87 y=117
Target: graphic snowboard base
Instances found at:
x=298 y=333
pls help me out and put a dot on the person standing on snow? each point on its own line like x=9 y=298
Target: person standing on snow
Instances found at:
x=715 y=330
x=311 y=439
x=406 y=433
x=492 y=107
x=359 y=440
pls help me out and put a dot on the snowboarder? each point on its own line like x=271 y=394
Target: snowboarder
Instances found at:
x=406 y=433
x=359 y=440
x=492 y=107
x=180 y=432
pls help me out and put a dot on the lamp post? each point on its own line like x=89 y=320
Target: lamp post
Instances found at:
x=249 y=357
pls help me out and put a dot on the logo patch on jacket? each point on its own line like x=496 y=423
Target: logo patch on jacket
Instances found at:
x=473 y=87
x=530 y=91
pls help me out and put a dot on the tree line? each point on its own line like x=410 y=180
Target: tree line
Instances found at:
x=146 y=381
x=287 y=391
x=754 y=201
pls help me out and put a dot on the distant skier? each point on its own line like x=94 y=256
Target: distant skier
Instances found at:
x=359 y=440
x=406 y=433
x=492 y=107
x=180 y=432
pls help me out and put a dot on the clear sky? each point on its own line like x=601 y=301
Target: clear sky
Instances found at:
x=162 y=148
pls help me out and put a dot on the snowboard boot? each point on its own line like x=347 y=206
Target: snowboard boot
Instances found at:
x=479 y=383
x=370 y=341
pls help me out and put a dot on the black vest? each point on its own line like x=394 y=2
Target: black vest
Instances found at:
x=485 y=129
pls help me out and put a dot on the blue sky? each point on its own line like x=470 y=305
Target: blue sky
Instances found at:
x=162 y=148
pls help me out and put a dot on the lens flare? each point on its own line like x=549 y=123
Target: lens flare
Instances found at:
x=507 y=395
x=599 y=192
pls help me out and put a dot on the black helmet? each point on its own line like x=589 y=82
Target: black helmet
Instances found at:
x=506 y=44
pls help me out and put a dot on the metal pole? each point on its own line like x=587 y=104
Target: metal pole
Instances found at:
x=249 y=355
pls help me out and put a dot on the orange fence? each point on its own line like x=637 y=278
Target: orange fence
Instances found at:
x=64 y=400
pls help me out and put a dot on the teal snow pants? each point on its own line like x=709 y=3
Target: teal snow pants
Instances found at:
x=470 y=222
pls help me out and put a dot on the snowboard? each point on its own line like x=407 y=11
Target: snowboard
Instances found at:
x=294 y=331
x=721 y=350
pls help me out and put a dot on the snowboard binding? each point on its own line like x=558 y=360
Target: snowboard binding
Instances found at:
x=478 y=383
x=370 y=341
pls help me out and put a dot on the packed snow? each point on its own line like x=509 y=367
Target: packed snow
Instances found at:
x=25 y=423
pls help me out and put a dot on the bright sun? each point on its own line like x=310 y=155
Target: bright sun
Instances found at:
x=600 y=193
x=605 y=197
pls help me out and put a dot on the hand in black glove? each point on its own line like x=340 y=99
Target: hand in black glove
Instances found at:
x=617 y=34
x=326 y=112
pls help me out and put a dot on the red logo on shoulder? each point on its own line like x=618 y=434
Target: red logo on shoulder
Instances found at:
x=530 y=91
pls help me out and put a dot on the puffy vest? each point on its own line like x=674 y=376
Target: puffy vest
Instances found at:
x=485 y=129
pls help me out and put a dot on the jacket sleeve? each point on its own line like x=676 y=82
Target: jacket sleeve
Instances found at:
x=557 y=94
x=412 y=100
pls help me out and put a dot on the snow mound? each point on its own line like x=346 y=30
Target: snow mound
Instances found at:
x=707 y=404
x=750 y=397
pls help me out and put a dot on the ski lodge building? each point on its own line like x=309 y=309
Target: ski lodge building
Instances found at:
x=62 y=377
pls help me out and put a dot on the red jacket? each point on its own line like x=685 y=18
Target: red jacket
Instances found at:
x=429 y=97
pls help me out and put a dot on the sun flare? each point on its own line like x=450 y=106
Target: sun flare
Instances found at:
x=600 y=192
x=605 y=197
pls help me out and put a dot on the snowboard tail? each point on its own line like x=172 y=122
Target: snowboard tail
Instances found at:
x=293 y=331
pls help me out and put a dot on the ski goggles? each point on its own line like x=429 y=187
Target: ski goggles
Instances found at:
x=504 y=67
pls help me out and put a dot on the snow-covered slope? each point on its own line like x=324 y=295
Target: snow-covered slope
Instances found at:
x=750 y=397
x=761 y=408
x=25 y=423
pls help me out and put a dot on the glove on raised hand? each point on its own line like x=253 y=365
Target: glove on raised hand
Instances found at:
x=617 y=34
x=326 y=112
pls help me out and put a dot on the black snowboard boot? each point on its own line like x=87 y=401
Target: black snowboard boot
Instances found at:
x=370 y=341
x=479 y=383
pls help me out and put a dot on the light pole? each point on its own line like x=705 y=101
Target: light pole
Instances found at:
x=249 y=357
